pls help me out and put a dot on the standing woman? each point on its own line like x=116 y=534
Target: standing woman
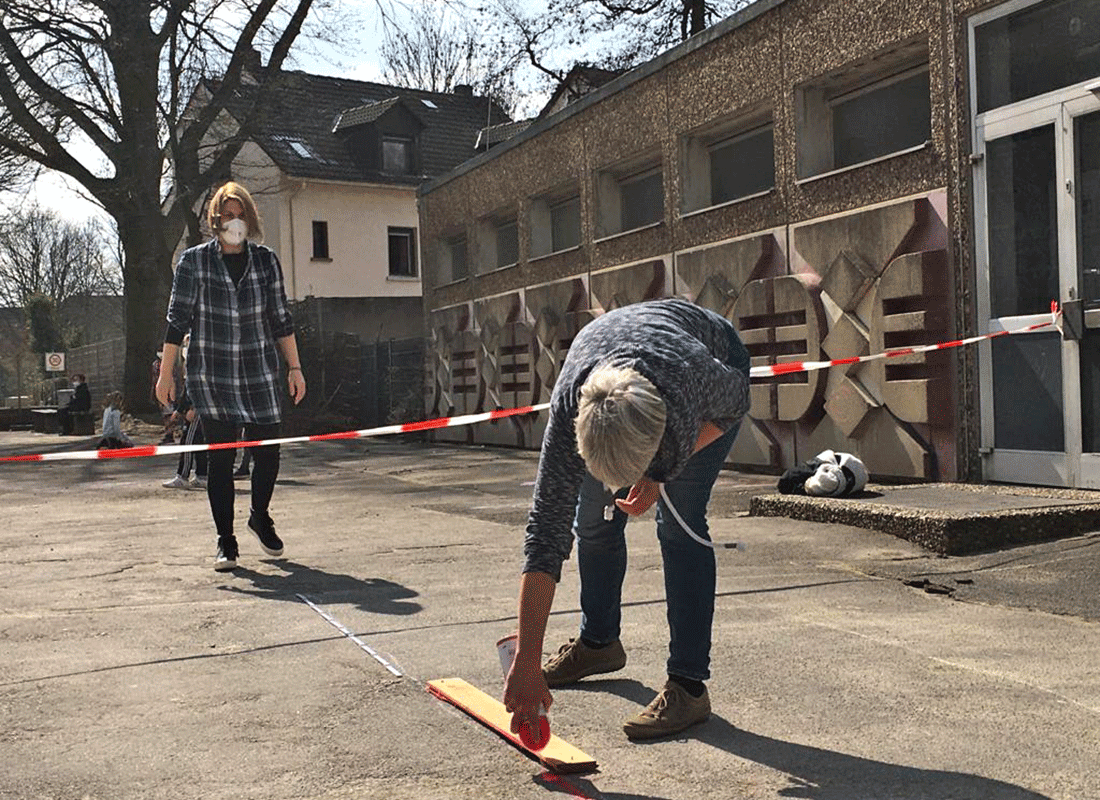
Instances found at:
x=228 y=294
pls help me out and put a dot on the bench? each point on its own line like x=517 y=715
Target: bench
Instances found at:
x=45 y=421
x=83 y=423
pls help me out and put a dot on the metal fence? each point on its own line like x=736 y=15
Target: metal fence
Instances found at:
x=363 y=385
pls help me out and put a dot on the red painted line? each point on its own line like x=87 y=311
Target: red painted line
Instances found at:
x=558 y=784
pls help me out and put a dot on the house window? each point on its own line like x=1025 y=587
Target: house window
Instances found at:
x=454 y=252
x=865 y=113
x=396 y=155
x=320 y=239
x=402 y=252
x=507 y=243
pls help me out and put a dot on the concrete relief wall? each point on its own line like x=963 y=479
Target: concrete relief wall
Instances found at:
x=865 y=282
x=881 y=287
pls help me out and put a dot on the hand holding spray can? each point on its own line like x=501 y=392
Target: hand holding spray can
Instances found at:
x=506 y=649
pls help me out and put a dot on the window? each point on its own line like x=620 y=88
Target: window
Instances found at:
x=865 y=112
x=507 y=241
x=727 y=162
x=643 y=199
x=1038 y=49
x=891 y=116
x=402 y=252
x=320 y=239
x=497 y=242
x=454 y=253
x=630 y=197
x=397 y=155
x=555 y=222
x=742 y=165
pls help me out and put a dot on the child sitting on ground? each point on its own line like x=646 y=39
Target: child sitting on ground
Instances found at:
x=112 y=437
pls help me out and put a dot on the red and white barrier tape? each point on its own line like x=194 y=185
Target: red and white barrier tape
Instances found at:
x=176 y=449
x=769 y=371
x=788 y=367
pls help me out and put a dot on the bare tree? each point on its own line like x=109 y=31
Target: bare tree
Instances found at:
x=41 y=253
x=613 y=34
x=438 y=47
x=116 y=78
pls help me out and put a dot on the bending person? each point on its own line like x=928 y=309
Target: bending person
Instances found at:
x=649 y=394
x=228 y=294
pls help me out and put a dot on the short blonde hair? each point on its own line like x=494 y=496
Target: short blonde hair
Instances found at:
x=234 y=191
x=620 y=422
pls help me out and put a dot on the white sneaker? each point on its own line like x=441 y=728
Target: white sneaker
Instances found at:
x=176 y=483
x=198 y=483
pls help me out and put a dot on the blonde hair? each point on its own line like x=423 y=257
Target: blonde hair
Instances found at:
x=115 y=399
x=620 y=422
x=234 y=191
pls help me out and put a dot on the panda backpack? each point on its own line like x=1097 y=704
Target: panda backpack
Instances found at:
x=829 y=474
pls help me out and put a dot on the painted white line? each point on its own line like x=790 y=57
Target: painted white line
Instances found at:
x=366 y=647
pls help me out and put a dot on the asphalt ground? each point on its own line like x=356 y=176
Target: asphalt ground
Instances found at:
x=848 y=664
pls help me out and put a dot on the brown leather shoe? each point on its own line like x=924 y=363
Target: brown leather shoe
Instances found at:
x=671 y=711
x=575 y=660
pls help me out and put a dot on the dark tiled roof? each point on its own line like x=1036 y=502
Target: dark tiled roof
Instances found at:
x=494 y=134
x=297 y=127
x=361 y=115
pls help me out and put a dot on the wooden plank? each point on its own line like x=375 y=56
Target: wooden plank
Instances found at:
x=558 y=755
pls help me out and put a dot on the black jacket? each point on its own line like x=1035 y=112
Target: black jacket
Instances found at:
x=82 y=400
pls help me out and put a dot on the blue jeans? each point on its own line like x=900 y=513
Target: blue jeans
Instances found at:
x=688 y=565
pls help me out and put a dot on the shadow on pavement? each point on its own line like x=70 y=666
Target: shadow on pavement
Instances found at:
x=582 y=788
x=374 y=595
x=818 y=774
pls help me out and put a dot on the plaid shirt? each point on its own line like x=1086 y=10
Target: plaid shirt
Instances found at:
x=232 y=359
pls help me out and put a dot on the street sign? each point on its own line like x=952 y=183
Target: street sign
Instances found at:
x=55 y=362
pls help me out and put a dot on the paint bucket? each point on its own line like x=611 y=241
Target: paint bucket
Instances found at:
x=506 y=649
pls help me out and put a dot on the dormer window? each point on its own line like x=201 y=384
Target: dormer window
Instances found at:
x=397 y=157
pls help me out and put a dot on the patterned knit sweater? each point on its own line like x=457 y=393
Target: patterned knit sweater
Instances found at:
x=695 y=360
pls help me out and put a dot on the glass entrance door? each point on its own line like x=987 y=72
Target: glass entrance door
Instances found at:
x=1038 y=187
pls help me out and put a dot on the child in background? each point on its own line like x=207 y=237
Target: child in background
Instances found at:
x=191 y=433
x=111 y=436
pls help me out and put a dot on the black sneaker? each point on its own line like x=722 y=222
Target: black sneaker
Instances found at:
x=264 y=529
x=241 y=473
x=226 y=559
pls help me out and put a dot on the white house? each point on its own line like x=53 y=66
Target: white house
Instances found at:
x=334 y=165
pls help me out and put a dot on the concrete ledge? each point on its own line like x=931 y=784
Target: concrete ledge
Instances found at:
x=949 y=519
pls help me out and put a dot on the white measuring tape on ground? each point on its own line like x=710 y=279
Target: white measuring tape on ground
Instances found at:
x=363 y=645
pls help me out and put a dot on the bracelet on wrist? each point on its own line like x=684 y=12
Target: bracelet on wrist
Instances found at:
x=291 y=369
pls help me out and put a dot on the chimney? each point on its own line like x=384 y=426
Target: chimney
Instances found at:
x=253 y=64
x=463 y=90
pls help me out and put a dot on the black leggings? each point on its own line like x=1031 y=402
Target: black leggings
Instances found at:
x=219 y=478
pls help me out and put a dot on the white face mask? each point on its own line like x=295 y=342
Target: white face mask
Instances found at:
x=233 y=232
